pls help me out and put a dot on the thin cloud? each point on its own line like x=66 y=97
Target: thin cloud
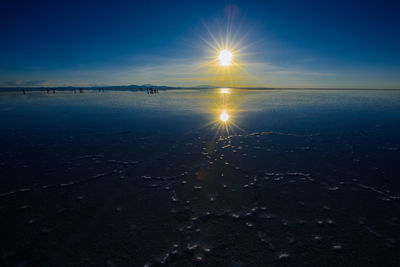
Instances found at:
x=25 y=83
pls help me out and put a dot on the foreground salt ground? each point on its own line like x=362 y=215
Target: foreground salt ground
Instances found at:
x=307 y=197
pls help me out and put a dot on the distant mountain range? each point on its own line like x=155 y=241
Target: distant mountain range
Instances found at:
x=115 y=87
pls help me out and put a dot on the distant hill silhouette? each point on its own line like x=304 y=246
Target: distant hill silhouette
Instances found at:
x=113 y=87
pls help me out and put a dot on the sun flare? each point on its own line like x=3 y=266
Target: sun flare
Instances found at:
x=225 y=57
x=224 y=64
x=224 y=117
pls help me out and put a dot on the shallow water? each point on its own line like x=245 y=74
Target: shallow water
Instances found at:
x=292 y=178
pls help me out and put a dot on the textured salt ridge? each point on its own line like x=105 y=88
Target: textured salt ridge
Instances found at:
x=188 y=246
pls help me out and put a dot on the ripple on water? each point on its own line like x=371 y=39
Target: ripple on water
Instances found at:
x=337 y=247
x=235 y=216
x=249 y=224
x=317 y=238
x=390 y=242
x=283 y=256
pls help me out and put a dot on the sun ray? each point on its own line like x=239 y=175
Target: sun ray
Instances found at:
x=226 y=53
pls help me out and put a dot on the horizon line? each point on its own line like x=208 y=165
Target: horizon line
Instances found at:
x=144 y=86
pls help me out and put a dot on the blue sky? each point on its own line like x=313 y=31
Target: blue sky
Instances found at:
x=279 y=43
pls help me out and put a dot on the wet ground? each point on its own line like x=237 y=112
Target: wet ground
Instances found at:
x=284 y=178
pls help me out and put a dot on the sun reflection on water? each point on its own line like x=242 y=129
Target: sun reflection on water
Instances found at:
x=225 y=107
x=224 y=91
x=224 y=117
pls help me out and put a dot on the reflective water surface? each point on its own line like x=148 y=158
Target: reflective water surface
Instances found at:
x=218 y=177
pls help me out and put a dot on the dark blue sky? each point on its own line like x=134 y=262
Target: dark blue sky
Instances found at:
x=285 y=43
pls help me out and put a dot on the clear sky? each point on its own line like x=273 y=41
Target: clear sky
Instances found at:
x=274 y=43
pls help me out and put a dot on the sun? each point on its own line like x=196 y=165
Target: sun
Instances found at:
x=225 y=58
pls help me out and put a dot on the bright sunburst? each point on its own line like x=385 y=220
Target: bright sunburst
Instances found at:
x=225 y=58
x=227 y=50
x=224 y=117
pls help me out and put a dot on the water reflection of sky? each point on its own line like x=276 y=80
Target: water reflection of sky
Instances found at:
x=204 y=100
x=271 y=166
x=246 y=108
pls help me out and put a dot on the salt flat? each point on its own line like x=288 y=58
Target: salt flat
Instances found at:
x=127 y=178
